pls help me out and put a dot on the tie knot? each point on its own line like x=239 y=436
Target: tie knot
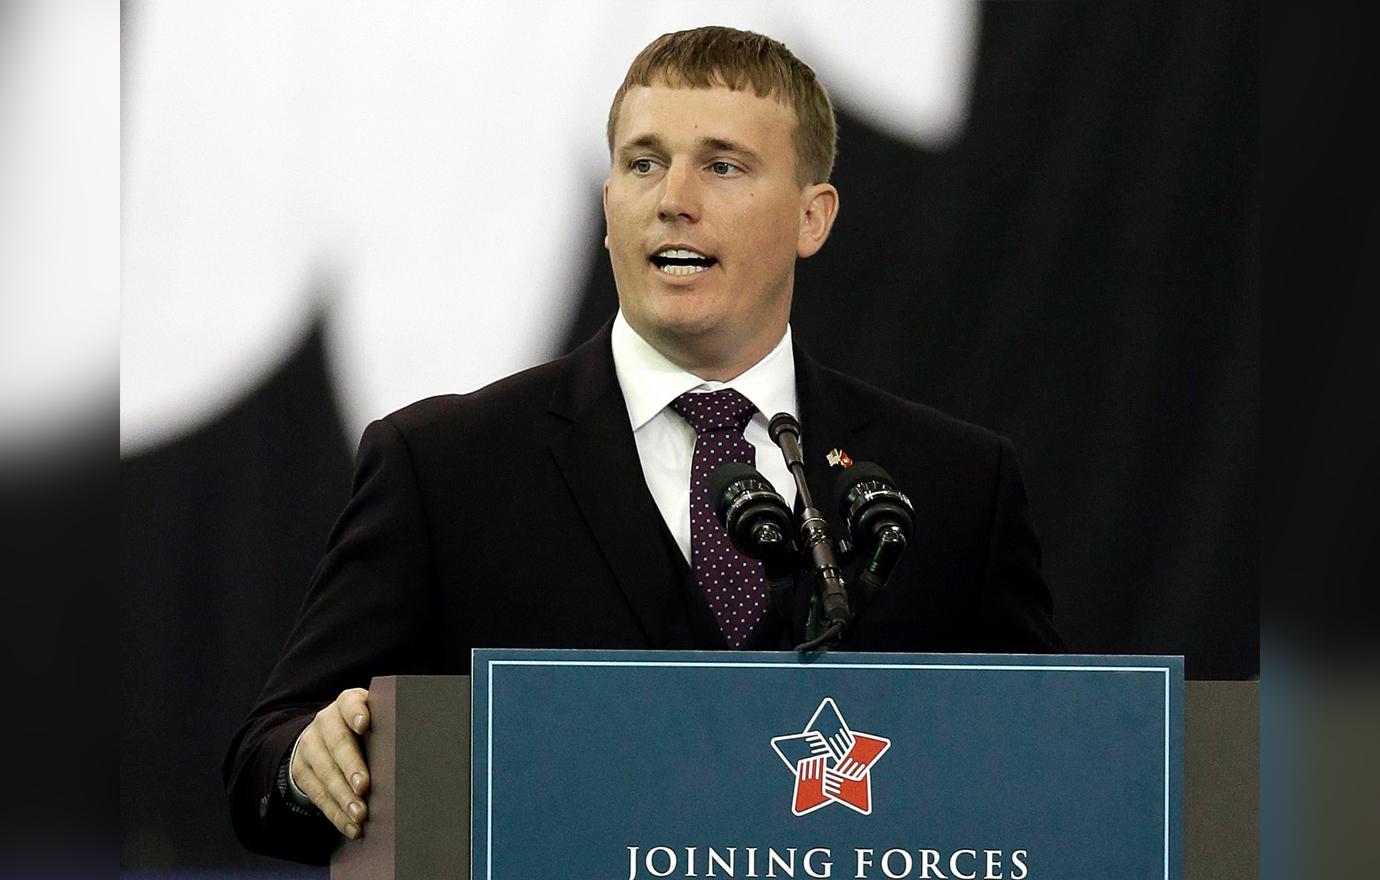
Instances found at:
x=715 y=411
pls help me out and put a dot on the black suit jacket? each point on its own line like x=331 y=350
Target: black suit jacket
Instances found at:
x=517 y=516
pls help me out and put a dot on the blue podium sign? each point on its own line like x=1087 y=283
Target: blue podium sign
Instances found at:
x=612 y=765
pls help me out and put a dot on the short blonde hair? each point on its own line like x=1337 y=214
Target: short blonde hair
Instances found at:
x=719 y=56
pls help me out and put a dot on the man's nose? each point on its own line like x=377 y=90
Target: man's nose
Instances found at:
x=680 y=195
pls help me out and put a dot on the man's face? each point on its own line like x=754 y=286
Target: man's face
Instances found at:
x=705 y=220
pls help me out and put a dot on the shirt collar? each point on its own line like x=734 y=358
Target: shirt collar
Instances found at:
x=650 y=381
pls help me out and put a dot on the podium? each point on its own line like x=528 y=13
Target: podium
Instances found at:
x=633 y=765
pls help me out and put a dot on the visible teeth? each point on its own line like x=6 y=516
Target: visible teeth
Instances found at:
x=681 y=254
x=682 y=270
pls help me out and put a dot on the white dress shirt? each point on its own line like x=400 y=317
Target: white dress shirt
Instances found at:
x=666 y=442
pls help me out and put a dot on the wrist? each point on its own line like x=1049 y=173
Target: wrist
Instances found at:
x=287 y=786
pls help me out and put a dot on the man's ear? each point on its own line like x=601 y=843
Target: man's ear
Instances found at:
x=819 y=206
x=606 y=213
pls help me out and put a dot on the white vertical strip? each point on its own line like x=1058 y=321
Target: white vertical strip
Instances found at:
x=1166 y=774
x=489 y=769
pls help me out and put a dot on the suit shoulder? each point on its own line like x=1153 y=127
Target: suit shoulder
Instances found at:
x=908 y=415
x=511 y=398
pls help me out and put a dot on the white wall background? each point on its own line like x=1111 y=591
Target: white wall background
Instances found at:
x=59 y=218
x=423 y=174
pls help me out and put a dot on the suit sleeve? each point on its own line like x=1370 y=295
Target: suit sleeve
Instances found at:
x=366 y=613
x=1017 y=614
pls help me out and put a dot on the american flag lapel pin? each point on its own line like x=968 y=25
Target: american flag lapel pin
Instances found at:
x=839 y=458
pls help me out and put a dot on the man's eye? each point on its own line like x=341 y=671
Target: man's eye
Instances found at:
x=642 y=166
x=723 y=169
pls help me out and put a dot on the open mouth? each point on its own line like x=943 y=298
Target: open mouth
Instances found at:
x=681 y=261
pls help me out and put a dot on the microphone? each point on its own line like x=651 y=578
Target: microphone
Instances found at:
x=879 y=517
x=785 y=432
x=752 y=512
x=831 y=616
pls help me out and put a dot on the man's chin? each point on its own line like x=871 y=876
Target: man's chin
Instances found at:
x=674 y=325
x=685 y=322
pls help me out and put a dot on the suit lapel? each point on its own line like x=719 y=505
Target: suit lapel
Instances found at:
x=598 y=458
x=830 y=419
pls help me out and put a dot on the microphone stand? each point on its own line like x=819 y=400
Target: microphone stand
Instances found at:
x=829 y=614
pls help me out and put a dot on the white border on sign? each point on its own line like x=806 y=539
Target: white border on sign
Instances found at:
x=489 y=748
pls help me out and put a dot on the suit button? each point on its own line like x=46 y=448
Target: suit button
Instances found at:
x=263 y=807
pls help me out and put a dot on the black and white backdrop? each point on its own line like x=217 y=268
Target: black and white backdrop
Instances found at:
x=1048 y=227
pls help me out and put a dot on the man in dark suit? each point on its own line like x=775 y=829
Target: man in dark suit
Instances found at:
x=566 y=506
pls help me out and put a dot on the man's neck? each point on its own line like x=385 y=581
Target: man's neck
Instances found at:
x=650 y=380
x=715 y=366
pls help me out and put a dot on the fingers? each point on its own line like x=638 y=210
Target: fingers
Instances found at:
x=833 y=783
x=350 y=718
x=354 y=708
x=328 y=765
x=312 y=770
x=810 y=768
x=852 y=769
x=840 y=743
x=338 y=790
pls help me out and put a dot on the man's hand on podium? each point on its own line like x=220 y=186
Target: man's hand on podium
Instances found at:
x=328 y=764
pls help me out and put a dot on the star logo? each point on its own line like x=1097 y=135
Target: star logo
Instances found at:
x=831 y=762
x=837 y=457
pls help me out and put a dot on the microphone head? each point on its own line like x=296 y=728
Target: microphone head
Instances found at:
x=782 y=422
x=870 y=501
x=751 y=511
x=860 y=472
x=726 y=475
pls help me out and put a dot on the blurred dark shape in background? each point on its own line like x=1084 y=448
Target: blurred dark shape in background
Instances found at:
x=59 y=534
x=1320 y=716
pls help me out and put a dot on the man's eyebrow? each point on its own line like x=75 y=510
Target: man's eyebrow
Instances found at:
x=645 y=142
x=707 y=144
x=720 y=145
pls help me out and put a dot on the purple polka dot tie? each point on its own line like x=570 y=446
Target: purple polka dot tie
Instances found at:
x=733 y=583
